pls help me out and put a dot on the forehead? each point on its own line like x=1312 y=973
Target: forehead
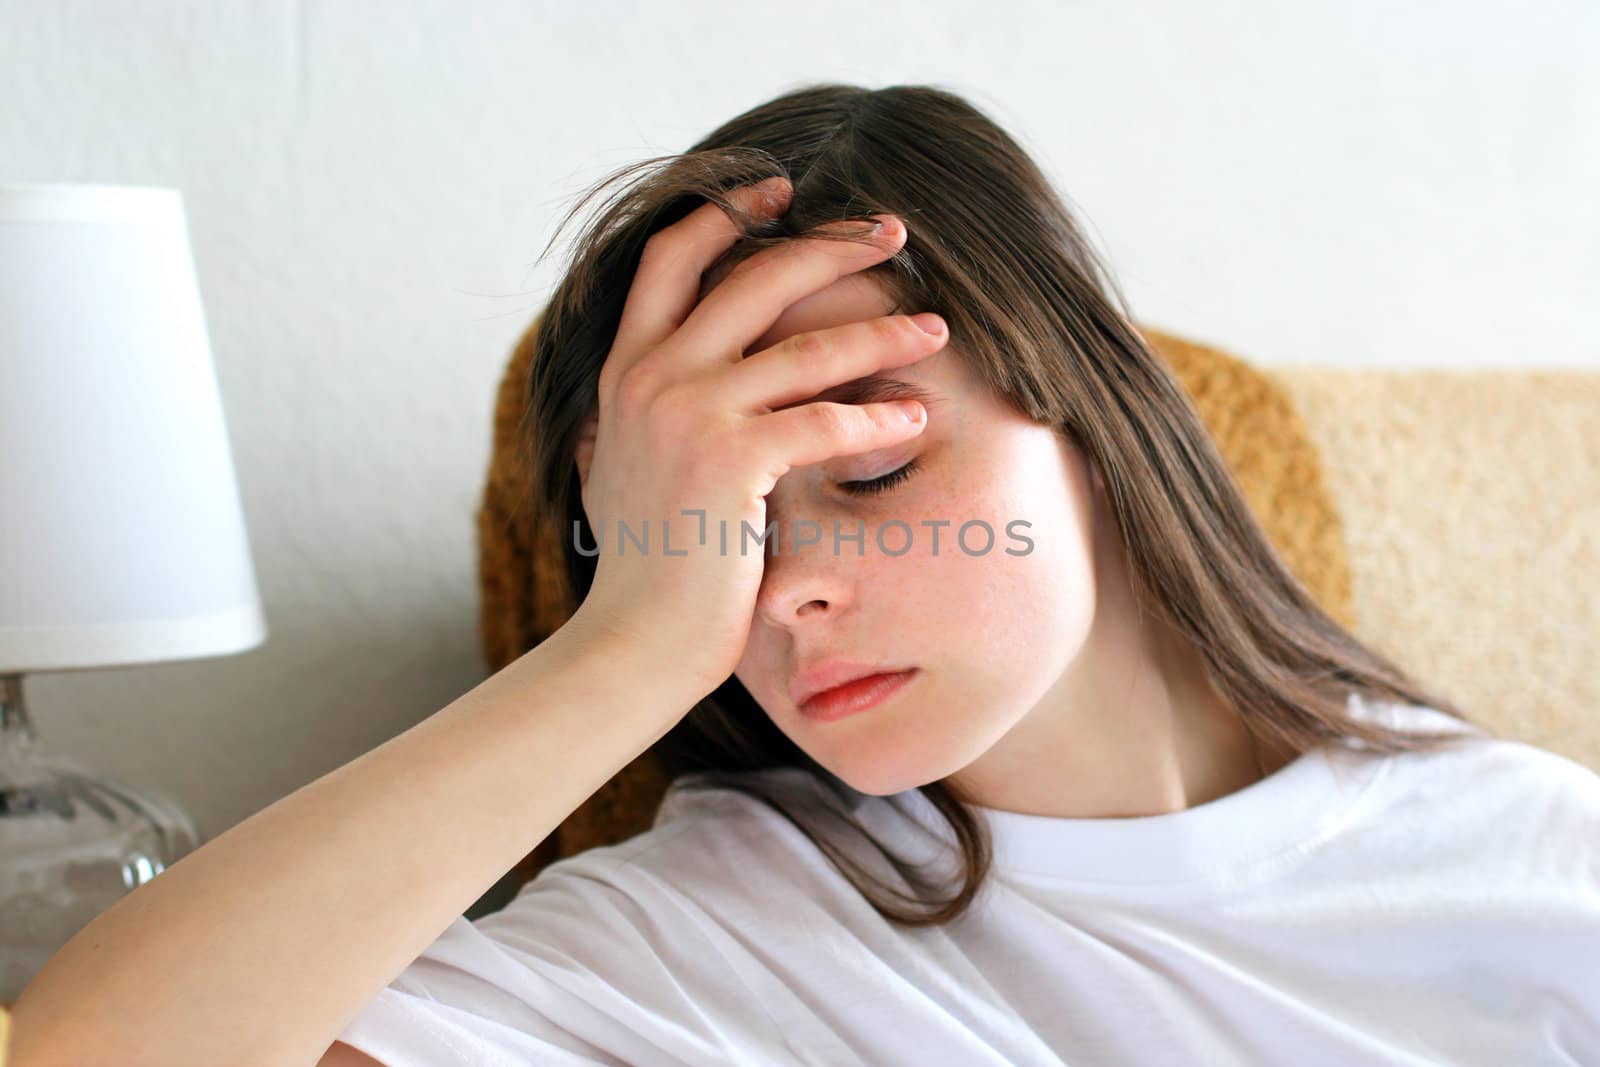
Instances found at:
x=852 y=298
x=855 y=298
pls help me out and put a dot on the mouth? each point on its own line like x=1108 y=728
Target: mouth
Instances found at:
x=855 y=695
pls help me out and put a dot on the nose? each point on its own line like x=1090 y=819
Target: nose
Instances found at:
x=806 y=582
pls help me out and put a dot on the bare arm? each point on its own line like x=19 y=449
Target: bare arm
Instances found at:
x=264 y=943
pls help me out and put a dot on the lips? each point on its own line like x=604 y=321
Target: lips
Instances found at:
x=830 y=674
x=853 y=698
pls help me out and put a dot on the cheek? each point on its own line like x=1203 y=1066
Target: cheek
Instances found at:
x=1012 y=597
x=999 y=619
x=995 y=630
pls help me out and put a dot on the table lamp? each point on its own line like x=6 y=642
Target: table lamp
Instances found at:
x=122 y=539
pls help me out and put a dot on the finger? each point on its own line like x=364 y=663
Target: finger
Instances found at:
x=735 y=314
x=666 y=285
x=813 y=433
x=804 y=365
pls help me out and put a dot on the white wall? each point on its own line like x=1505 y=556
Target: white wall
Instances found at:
x=368 y=182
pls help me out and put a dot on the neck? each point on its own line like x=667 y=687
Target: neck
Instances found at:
x=1133 y=727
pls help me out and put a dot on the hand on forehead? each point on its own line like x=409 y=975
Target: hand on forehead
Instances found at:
x=852 y=298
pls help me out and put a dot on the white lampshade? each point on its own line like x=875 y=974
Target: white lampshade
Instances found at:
x=122 y=540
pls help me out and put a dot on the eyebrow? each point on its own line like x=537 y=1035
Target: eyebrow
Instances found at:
x=877 y=389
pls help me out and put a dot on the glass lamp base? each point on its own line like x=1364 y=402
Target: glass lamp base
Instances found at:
x=72 y=843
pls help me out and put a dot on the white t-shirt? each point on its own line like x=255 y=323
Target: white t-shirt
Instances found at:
x=1350 y=908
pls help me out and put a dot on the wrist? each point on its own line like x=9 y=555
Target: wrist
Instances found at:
x=630 y=649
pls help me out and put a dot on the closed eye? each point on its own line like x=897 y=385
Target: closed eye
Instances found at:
x=880 y=484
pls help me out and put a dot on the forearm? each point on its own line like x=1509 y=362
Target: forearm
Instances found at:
x=265 y=942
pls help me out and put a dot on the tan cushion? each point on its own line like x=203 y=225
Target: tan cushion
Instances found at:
x=1471 y=506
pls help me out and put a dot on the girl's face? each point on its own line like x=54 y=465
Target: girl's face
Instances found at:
x=990 y=618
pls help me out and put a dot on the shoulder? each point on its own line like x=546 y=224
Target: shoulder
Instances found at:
x=715 y=843
x=617 y=953
x=1482 y=769
x=1490 y=802
x=729 y=815
x=665 y=919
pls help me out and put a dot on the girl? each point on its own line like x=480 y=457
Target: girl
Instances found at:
x=1017 y=744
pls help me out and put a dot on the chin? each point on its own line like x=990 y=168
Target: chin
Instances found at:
x=886 y=768
x=874 y=782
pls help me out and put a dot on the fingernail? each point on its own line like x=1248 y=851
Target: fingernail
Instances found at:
x=910 y=409
x=885 y=224
x=928 y=322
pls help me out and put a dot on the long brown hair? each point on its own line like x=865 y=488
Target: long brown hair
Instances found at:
x=993 y=249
